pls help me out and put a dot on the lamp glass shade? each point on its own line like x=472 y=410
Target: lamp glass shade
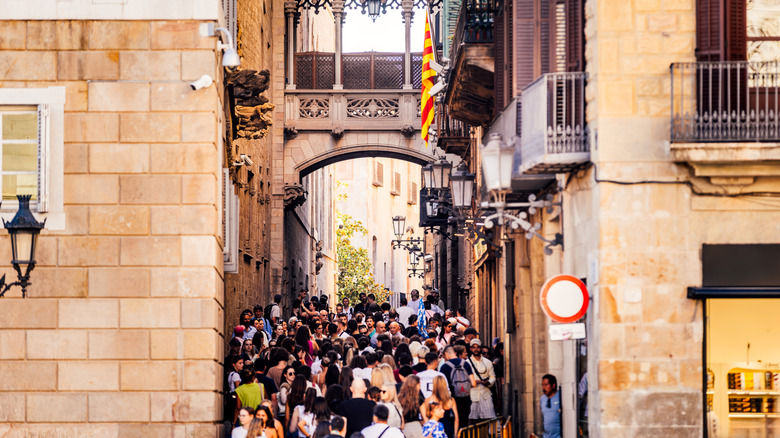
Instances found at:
x=441 y=174
x=497 y=160
x=429 y=208
x=414 y=258
x=399 y=223
x=462 y=187
x=427 y=176
x=373 y=7
x=23 y=246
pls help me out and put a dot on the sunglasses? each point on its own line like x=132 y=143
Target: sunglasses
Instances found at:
x=384 y=392
x=548 y=404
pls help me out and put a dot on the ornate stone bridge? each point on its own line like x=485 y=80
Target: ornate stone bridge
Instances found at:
x=327 y=126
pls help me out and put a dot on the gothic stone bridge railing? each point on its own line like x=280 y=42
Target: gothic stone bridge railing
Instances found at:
x=353 y=110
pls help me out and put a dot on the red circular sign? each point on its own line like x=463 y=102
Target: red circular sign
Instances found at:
x=564 y=298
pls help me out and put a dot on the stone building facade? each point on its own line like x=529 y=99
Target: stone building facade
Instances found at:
x=122 y=331
x=666 y=219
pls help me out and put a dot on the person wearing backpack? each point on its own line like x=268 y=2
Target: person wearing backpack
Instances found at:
x=460 y=377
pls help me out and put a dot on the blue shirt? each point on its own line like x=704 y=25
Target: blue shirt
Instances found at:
x=551 y=416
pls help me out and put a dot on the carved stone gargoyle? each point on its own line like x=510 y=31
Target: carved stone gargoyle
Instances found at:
x=294 y=195
x=253 y=111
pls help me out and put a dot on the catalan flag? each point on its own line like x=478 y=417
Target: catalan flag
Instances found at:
x=426 y=103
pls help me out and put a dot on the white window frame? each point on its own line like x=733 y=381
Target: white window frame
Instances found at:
x=230 y=213
x=50 y=102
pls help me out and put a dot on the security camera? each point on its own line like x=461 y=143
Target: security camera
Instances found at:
x=203 y=82
x=437 y=88
x=428 y=258
x=248 y=161
x=230 y=59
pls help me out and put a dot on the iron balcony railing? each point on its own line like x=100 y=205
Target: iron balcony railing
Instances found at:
x=475 y=24
x=726 y=101
x=551 y=123
x=359 y=71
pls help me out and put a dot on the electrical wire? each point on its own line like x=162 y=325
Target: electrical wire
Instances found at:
x=694 y=189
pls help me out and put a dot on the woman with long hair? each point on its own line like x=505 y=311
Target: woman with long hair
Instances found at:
x=445 y=335
x=288 y=376
x=377 y=377
x=294 y=399
x=345 y=380
x=256 y=429
x=387 y=372
x=328 y=361
x=304 y=340
x=245 y=416
x=389 y=398
x=441 y=395
x=302 y=419
x=433 y=428
x=388 y=360
x=276 y=425
x=321 y=411
x=334 y=396
x=409 y=397
x=332 y=376
x=264 y=414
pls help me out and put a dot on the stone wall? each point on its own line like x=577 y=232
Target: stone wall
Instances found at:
x=120 y=332
x=252 y=283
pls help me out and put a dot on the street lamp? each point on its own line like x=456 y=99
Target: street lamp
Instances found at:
x=427 y=176
x=24 y=230
x=497 y=160
x=441 y=173
x=462 y=186
x=373 y=7
x=399 y=223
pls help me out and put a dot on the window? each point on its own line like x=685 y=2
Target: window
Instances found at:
x=31 y=151
x=412 y=200
x=396 y=190
x=379 y=178
x=230 y=212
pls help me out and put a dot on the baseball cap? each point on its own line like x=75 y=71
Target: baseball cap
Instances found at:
x=239 y=329
x=475 y=341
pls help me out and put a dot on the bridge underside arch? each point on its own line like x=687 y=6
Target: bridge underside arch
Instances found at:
x=311 y=151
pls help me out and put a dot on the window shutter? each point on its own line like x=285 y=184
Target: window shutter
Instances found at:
x=575 y=57
x=229 y=224
x=379 y=179
x=509 y=60
x=709 y=35
x=546 y=28
x=499 y=77
x=736 y=30
x=524 y=39
x=44 y=155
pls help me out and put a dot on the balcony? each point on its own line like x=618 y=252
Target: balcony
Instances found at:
x=723 y=113
x=470 y=90
x=553 y=134
x=359 y=71
x=454 y=135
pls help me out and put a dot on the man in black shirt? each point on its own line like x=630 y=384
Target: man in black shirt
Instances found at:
x=358 y=410
x=361 y=307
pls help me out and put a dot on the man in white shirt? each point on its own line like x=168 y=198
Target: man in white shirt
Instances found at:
x=461 y=320
x=414 y=304
x=380 y=427
x=404 y=312
x=426 y=377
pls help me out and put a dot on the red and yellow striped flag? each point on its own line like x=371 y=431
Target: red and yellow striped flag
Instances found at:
x=426 y=103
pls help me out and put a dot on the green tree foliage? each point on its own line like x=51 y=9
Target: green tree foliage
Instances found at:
x=355 y=267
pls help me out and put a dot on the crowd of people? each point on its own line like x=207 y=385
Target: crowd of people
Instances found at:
x=359 y=370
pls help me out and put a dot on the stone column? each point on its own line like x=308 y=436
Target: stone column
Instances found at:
x=290 y=9
x=407 y=8
x=338 y=15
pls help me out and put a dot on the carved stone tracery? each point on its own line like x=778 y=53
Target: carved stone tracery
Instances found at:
x=252 y=110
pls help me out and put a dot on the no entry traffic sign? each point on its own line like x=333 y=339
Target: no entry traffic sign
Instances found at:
x=564 y=298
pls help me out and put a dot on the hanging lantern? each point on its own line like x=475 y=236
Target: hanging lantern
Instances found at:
x=441 y=173
x=497 y=162
x=462 y=186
